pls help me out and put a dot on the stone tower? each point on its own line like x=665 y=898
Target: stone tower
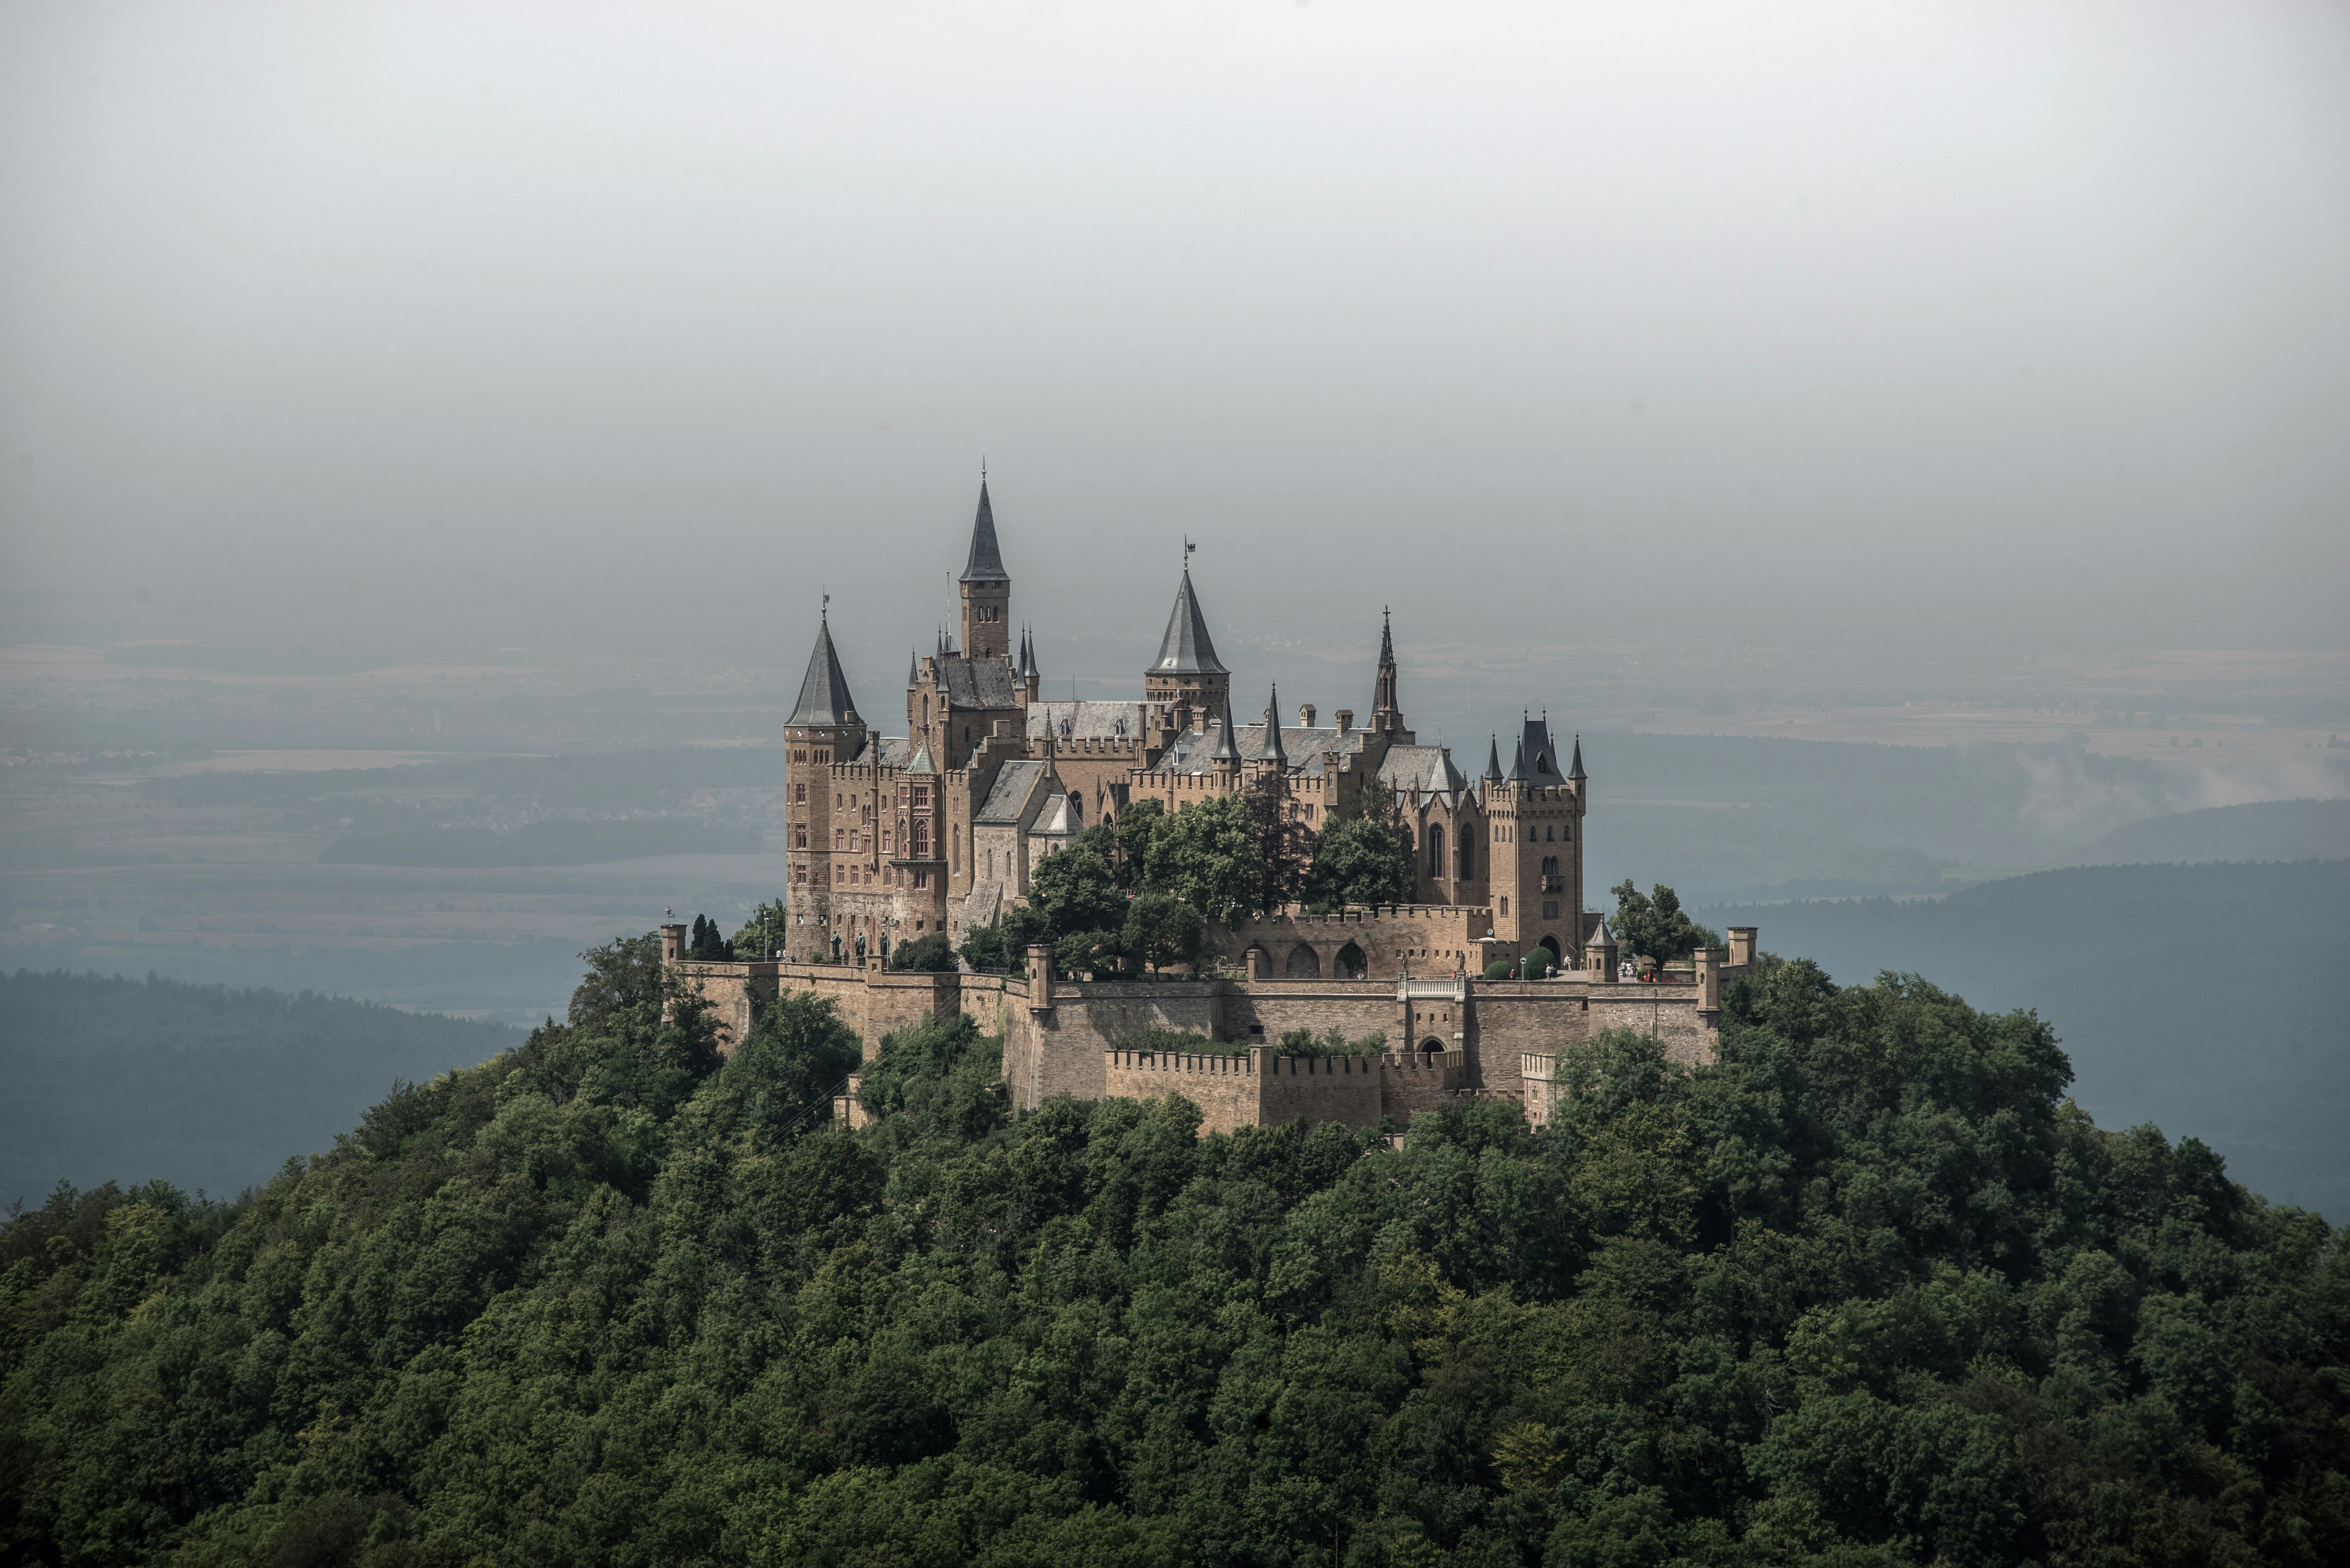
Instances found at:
x=823 y=733
x=1535 y=816
x=986 y=589
x=1187 y=676
x=1387 y=703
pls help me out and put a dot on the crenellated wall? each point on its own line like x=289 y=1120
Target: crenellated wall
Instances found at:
x=1061 y=1037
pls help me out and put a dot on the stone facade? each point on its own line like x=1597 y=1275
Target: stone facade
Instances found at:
x=1450 y=1038
x=890 y=839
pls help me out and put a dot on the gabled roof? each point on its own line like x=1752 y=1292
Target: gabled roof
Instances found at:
x=1062 y=817
x=1086 y=721
x=880 y=752
x=1014 y=781
x=986 y=564
x=1186 y=648
x=973 y=684
x=1424 y=768
x=825 y=701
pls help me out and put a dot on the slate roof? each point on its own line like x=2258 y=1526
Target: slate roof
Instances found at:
x=880 y=752
x=1493 y=759
x=1314 y=750
x=1425 y=768
x=1575 y=774
x=1186 y=648
x=1061 y=818
x=1270 y=741
x=1540 y=754
x=1014 y=781
x=975 y=683
x=1086 y=721
x=986 y=564
x=825 y=701
x=1601 y=937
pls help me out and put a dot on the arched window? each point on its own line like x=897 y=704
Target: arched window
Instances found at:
x=1550 y=864
x=921 y=839
x=1435 y=852
x=1468 y=857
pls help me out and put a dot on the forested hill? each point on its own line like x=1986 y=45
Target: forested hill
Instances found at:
x=1870 y=1291
x=203 y=1085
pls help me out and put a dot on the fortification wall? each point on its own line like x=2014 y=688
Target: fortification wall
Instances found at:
x=1430 y=939
x=1059 y=1050
x=1670 y=1012
x=1413 y=1082
x=1260 y=1012
x=1227 y=1089
x=1349 y=1089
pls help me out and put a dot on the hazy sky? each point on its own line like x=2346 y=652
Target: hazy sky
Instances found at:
x=628 y=326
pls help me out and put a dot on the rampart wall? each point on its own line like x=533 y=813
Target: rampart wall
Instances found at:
x=1061 y=1037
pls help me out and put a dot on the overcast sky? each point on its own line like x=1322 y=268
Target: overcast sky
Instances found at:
x=630 y=326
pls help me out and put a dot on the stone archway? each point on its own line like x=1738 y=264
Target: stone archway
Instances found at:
x=1351 y=964
x=1305 y=963
x=1431 y=1046
x=1552 y=943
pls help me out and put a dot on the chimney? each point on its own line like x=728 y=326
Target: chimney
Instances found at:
x=1346 y=717
x=1306 y=715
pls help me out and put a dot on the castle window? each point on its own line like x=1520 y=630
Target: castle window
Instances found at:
x=799 y=793
x=921 y=839
x=921 y=797
x=799 y=836
x=1505 y=904
x=840 y=838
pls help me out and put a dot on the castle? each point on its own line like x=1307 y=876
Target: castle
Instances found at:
x=892 y=839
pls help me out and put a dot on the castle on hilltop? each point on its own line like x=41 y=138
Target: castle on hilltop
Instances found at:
x=893 y=839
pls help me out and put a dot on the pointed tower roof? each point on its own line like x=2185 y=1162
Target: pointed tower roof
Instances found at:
x=1493 y=759
x=1226 y=750
x=1185 y=649
x=986 y=564
x=1574 y=773
x=1518 y=765
x=914 y=667
x=1271 y=752
x=1387 y=640
x=921 y=763
x=825 y=701
x=1601 y=937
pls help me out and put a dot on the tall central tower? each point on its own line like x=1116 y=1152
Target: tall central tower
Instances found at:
x=1186 y=675
x=986 y=588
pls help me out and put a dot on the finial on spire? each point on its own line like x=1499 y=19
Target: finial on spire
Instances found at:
x=1188 y=548
x=824 y=612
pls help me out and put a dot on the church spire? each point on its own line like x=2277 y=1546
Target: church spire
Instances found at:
x=1387 y=707
x=986 y=562
x=985 y=588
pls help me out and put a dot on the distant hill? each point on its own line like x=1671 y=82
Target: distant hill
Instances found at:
x=2205 y=999
x=2271 y=830
x=115 y=1079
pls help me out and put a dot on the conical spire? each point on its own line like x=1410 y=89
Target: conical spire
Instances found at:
x=1226 y=749
x=825 y=701
x=1518 y=766
x=1185 y=649
x=1271 y=752
x=1493 y=759
x=914 y=667
x=986 y=564
x=1386 y=638
x=1574 y=773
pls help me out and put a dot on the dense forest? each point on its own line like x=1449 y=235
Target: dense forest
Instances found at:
x=206 y=1087
x=1871 y=1290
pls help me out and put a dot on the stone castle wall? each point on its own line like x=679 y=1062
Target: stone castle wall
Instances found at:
x=1061 y=1037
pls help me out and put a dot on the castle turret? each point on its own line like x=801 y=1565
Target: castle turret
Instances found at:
x=823 y=733
x=986 y=588
x=1599 y=954
x=1187 y=675
x=1225 y=756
